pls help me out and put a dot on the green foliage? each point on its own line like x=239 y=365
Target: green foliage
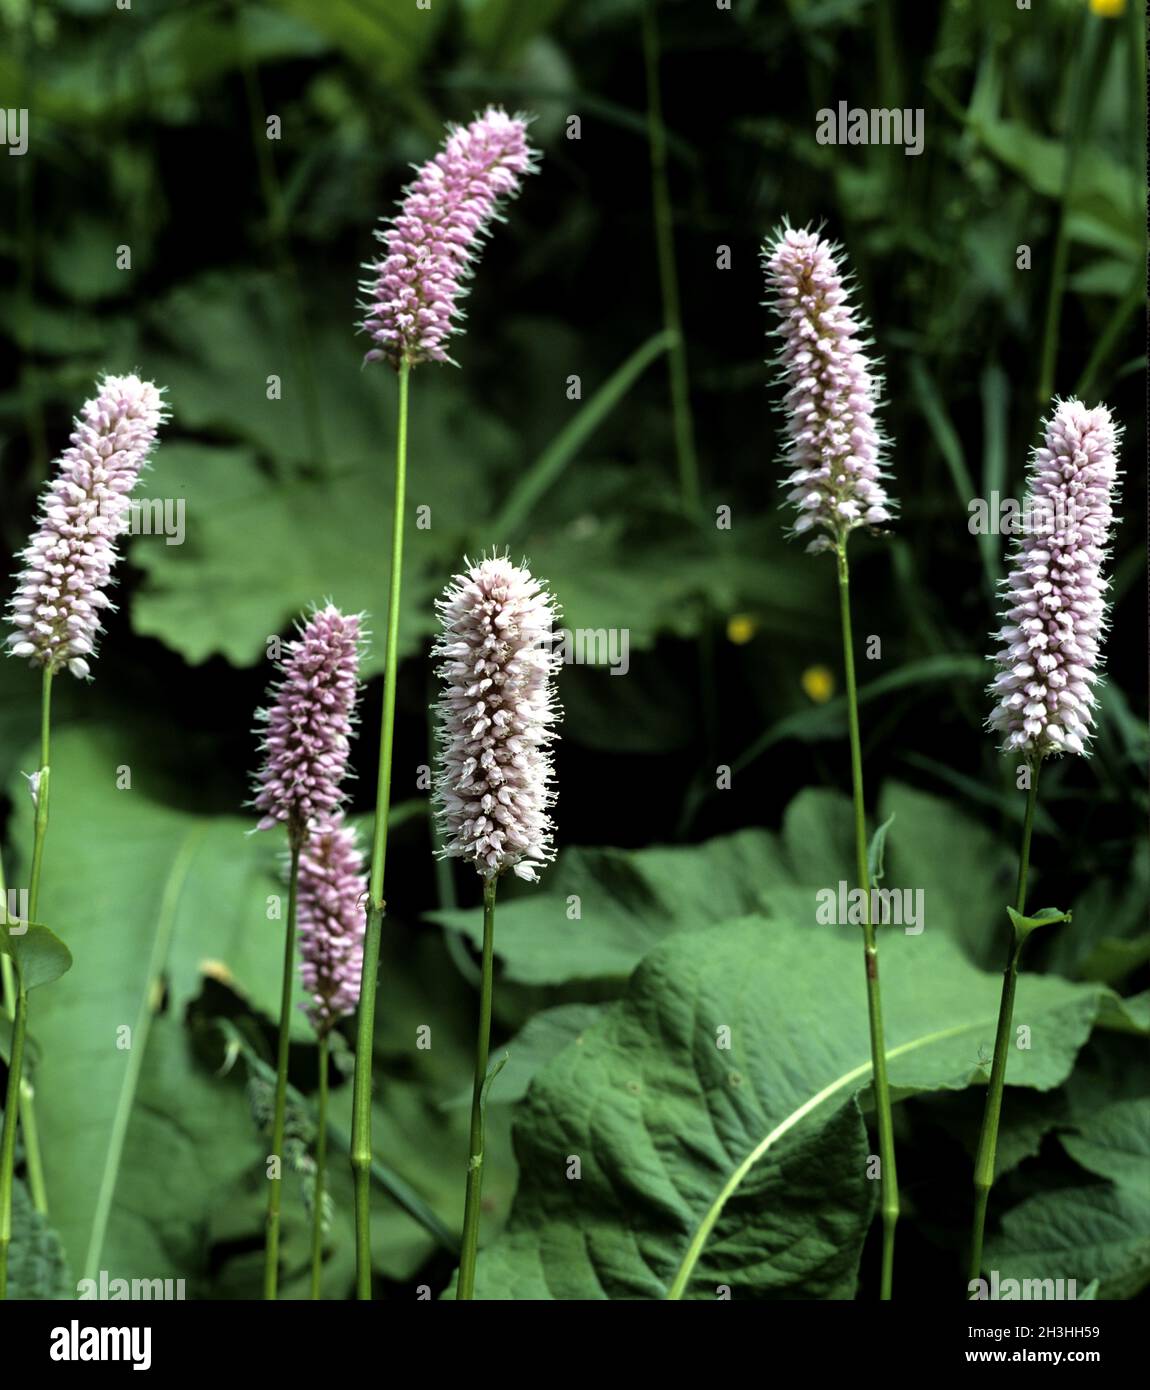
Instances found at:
x=676 y=1131
x=40 y=955
x=1096 y=1229
x=701 y=794
x=37 y=1268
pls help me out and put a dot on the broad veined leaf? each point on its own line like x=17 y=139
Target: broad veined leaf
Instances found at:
x=188 y=1137
x=600 y=910
x=603 y=909
x=149 y=900
x=541 y=1038
x=1094 y=1230
x=965 y=872
x=705 y=1135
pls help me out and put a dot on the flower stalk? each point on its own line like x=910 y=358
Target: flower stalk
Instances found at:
x=365 y=1029
x=493 y=786
x=309 y=723
x=8 y=1141
x=883 y=1116
x=992 y=1113
x=836 y=484
x=55 y=613
x=412 y=309
x=283 y=1047
x=465 y=1289
x=1053 y=621
x=320 y=1171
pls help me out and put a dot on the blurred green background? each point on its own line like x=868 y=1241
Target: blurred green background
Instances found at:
x=149 y=131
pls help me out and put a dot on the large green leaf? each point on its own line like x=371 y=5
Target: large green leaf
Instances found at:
x=704 y=1168
x=36 y=1264
x=627 y=900
x=541 y=1038
x=964 y=871
x=149 y=900
x=1093 y=1230
x=188 y=1137
x=602 y=909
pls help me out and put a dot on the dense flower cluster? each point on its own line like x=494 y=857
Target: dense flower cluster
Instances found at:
x=62 y=588
x=309 y=723
x=1055 y=595
x=834 y=445
x=412 y=297
x=496 y=716
x=331 y=918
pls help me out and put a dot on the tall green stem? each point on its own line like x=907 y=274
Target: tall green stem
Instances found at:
x=668 y=279
x=320 y=1171
x=19 y=1101
x=41 y=827
x=472 y=1208
x=272 y=1249
x=33 y=1164
x=8 y=1142
x=365 y=1030
x=988 y=1136
x=889 y=1175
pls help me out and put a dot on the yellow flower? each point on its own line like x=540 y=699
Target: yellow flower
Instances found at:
x=1108 y=8
x=741 y=627
x=819 y=684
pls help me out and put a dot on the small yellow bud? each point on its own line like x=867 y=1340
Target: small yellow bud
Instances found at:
x=819 y=684
x=741 y=627
x=1110 y=9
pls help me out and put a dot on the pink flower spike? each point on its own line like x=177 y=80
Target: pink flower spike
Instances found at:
x=834 y=444
x=495 y=719
x=309 y=724
x=331 y=917
x=1054 y=598
x=62 y=589
x=414 y=289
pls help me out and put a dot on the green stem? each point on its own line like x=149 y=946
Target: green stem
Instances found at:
x=889 y=1175
x=472 y=1209
x=988 y=1136
x=34 y=1163
x=365 y=1029
x=34 y=1167
x=272 y=1249
x=41 y=827
x=8 y=1142
x=668 y=279
x=320 y=1169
